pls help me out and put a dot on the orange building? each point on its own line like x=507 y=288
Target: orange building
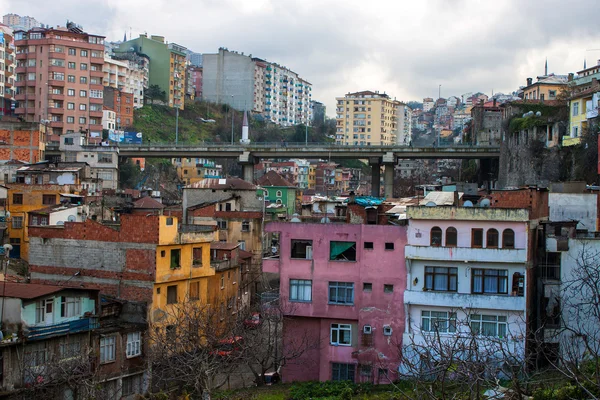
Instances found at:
x=22 y=141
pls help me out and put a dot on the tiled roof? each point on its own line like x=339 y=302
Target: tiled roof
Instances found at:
x=272 y=178
x=228 y=183
x=223 y=245
x=148 y=203
x=29 y=291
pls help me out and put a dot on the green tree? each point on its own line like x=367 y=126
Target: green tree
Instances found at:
x=130 y=174
x=154 y=92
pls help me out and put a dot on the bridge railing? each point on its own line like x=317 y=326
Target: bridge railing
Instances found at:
x=298 y=145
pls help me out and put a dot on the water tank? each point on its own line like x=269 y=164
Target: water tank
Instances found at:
x=468 y=203
x=485 y=203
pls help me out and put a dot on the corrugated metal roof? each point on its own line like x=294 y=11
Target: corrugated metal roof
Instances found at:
x=228 y=183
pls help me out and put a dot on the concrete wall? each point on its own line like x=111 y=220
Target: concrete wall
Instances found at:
x=575 y=206
x=226 y=74
x=248 y=200
x=376 y=266
x=467 y=213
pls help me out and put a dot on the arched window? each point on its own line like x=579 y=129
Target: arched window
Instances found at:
x=436 y=236
x=278 y=194
x=492 y=238
x=451 y=237
x=508 y=239
x=278 y=201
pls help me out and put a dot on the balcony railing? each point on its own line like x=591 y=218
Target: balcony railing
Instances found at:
x=549 y=271
x=65 y=328
x=221 y=265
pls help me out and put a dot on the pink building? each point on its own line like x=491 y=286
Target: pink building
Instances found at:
x=343 y=283
x=195 y=74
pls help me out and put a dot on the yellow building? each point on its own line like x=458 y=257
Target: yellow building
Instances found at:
x=192 y=170
x=22 y=199
x=583 y=103
x=177 y=82
x=545 y=88
x=312 y=176
x=366 y=119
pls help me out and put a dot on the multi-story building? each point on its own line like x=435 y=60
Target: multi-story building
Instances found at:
x=103 y=160
x=190 y=84
x=303 y=167
x=195 y=59
x=195 y=74
x=192 y=170
x=325 y=177
x=467 y=274
x=127 y=76
x=109 y=119
x=61 y=86
x=367 y=119
x=486 y=124
x=547 y=87
x=583 y=103
x=138 y=75
x=341 y=289
x=280 y=193
x=7 y=70
x=249 y=83
x=428 y=104
x=17 y=22
x=319 y=111
x=404 y=124
x=122 y=103
x=312 y=176
x=166 y=67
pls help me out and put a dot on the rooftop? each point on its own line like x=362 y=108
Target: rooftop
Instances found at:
x=148 y=202
x=29 y=291
x=272 y=178
x=467 y=213
x=54 y=208
x=223 y=246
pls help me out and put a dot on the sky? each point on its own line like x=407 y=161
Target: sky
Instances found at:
x=405 y=49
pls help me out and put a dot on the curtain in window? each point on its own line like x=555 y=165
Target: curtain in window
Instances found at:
x=306 y=292
x=441 y=281
x=338 y=248
x=491 y=283
x=477 y=284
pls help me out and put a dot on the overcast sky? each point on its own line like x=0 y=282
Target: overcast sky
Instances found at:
x=403 y=48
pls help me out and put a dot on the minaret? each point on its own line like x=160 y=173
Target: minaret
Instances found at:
x=245 y=129
x=584 y=64
x=546 y=68
x=125 y=37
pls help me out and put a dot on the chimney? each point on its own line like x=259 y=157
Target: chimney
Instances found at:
x=529 y=81
x=455 y=203
x=494 y=102
x=570 y=78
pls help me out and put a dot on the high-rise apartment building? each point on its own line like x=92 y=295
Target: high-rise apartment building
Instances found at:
x=249 y=83
x=404 y=118
x=7 y=70
x=127 y=76
x=367 y=119
x=17 y=22
x=167 y=65
x=59 y=79
x=428 y=104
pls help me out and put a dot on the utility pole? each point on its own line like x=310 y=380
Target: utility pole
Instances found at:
x=176 y=125
x=306 y=139
x=232 y=119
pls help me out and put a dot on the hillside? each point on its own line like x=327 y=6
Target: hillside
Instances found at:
x=157 y=123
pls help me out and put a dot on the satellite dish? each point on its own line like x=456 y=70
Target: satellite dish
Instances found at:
x=295 y=218
x=60 y=223
x=485 y=203
x=538 y=114
x=325 y=220
x=468 y=203
x=71 y=218
x=430 y=204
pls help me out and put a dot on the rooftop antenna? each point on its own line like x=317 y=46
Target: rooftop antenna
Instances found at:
x=546 y=68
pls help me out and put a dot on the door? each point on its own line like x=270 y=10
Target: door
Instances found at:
x=48 y=311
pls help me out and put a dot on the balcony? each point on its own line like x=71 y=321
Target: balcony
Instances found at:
x=464 y=254
x=21 y=56
x=57 y=55
x=23 y=69
x=97 y=74
x=54 y=82
x=55 y=96
x=96 y=100
x=56 y=124
x=54 y=68
x=96 y=114
x=222 y=265
x=65 y=328
x=56 y=110
x=20 y=83
x=475 y=301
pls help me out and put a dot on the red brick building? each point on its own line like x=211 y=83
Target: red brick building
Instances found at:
x=22 y=141
x=122 y=104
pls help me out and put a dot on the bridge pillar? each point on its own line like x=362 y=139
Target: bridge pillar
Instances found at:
x=247 y=161
x=375 y=163
x=388 y=174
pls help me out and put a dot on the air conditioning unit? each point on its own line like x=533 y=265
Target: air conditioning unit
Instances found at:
x=387 y=330
x=367 y=329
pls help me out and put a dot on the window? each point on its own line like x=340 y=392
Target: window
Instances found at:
x=70 y=106
x=451 y=237
x=107 y=158
x=96 y=94
x=70 y=307
x=488 y=325
x=17 y=222
x=70 y=92
x=83 y=93
x=575 y=108
x=70 y=120
x=367 y=287
x=17 y=198
x=221 y=224
x=227 y=206
x=84 y=53
x=490 y=281
x=300 y=290
x=133 y=385
x=366 y=370
x=245 y=226
x=175 y=258
x=222 y=281
x=72 y=65
x=83 y=80
x=301 y=249
x=197 y=256
x=278 y=193
x=341 y=293
x=341 y=335
x=388 y=288
x=342 y=251
x=477 y=237
x=72 y=52
x=83 y=66
x=389 y=246
x=441 y=278
x=342 y=372
x=368 y=245
x=108 y=349
x=69 y=348
x=134 y=344
x=172 y=294
x=508 y=239
x=82 y=120
x=436 y=236
x=82 y=107
x=195 y=291
x=438 y=321
x=40 y=311
x=491 y=238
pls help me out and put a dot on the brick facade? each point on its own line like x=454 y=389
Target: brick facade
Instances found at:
x=532 y=198
x=21 y=141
